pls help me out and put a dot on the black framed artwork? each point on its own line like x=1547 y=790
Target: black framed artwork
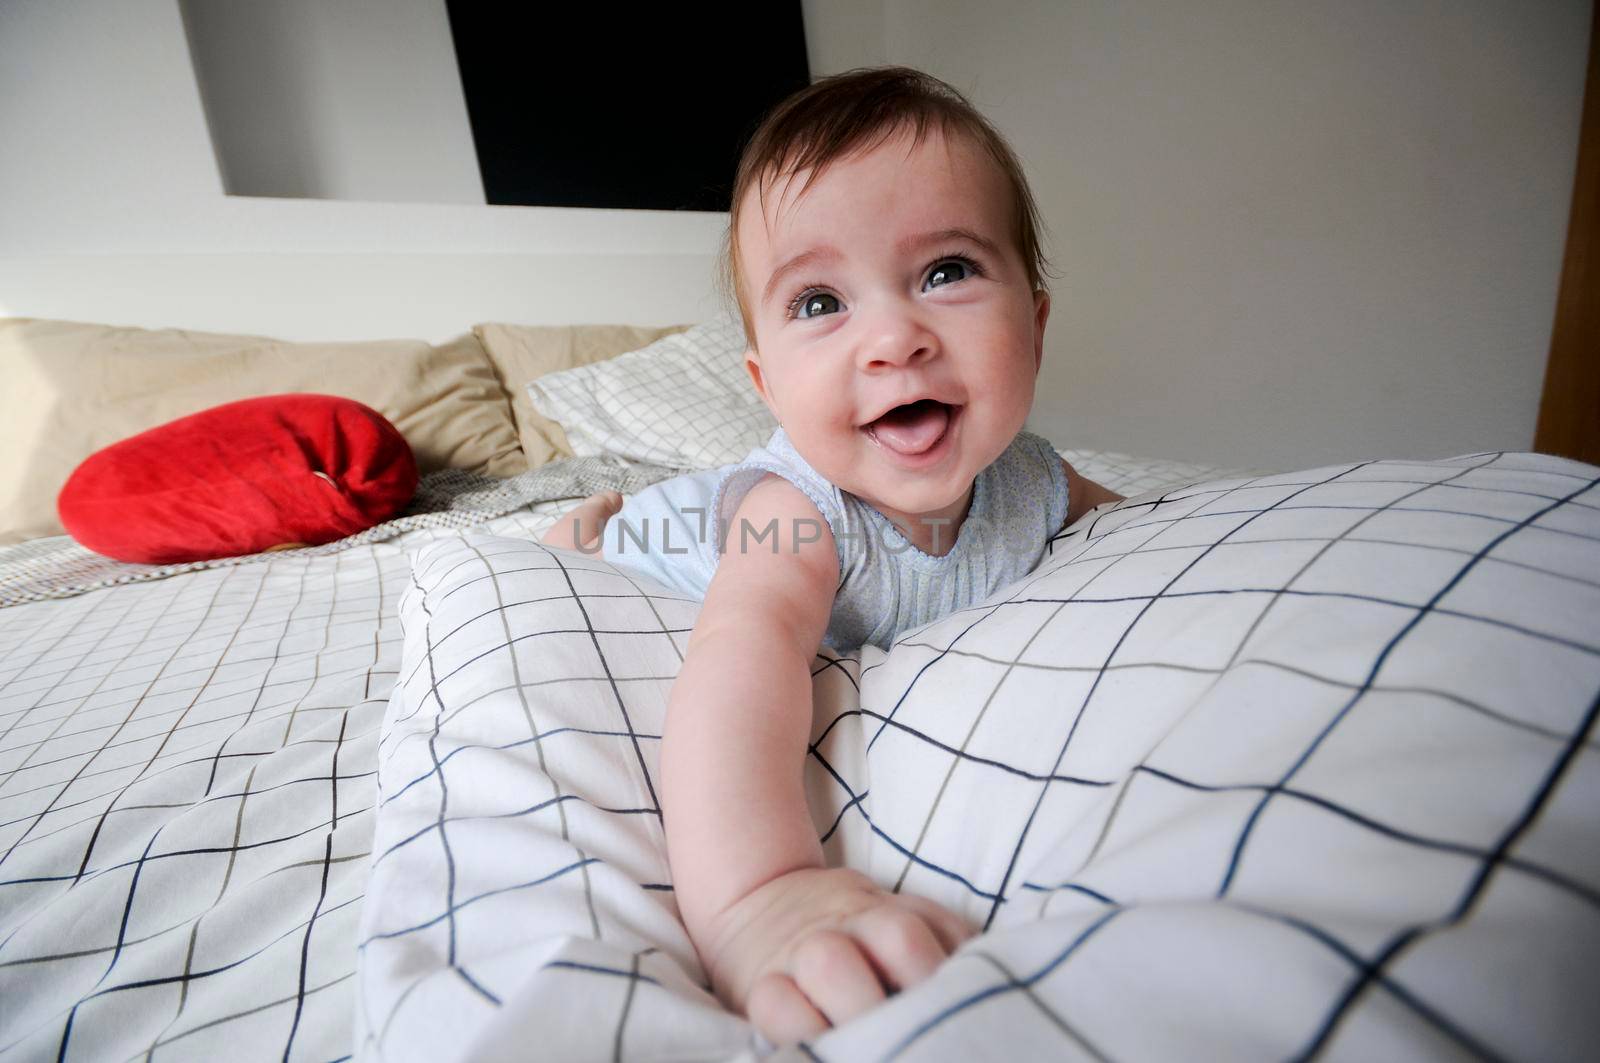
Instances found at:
x=642 y=107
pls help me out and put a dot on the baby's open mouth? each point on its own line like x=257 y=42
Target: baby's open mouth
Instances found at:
x=914 y=428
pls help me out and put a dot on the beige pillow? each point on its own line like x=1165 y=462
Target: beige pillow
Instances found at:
x=71 y=389
x=522 y=353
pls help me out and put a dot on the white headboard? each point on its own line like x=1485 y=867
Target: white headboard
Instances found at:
x=359 y=297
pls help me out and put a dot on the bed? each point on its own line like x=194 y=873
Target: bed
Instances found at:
x=1254 y=764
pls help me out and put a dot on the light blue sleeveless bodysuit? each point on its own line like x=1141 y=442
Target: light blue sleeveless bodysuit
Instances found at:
x=672 y=532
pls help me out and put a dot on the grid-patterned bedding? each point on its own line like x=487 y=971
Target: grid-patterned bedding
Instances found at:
x=188 y=781
x=187 y=771
x=1285 y=766
x=187 y=775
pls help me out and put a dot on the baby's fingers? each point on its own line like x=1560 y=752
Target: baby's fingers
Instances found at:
x=902 y=947
x=781 y=1012
x=950 y=928
x=829 y=968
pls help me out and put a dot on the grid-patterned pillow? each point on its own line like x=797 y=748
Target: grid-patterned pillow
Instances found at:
x=1297 y=765
x=684 y=401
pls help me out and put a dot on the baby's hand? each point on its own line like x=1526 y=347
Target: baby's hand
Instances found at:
x=818 y=946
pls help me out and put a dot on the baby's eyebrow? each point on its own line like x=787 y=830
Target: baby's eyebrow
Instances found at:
x=914 y=242
x=798 y=262
x=917 y=241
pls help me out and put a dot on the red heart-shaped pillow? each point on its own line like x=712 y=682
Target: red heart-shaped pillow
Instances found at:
x=240 y=478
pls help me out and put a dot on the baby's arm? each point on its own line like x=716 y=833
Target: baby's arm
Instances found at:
x=581 y=526
x=1083 y=494
x=794 y=944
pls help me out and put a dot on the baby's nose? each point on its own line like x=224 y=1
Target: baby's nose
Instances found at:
x=897 y=340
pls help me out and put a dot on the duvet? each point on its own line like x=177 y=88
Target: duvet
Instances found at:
x=1295 y=765
x=1285 y=766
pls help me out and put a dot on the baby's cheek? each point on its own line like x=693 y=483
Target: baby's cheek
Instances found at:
x=1008 y=388
x=1024 y=383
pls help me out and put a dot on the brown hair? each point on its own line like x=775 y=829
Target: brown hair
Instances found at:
x=856 y=111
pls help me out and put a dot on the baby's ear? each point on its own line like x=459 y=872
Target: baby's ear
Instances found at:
x=752 y=365
x=1041 y=314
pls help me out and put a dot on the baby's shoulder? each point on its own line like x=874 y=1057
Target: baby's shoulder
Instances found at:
x=777 y=554
x=1030 y=466
x=775 y=510
x=1030 y=445
x=1029 y=472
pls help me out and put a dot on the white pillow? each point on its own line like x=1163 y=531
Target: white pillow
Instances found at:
x=1238 y=767
x=684 y=401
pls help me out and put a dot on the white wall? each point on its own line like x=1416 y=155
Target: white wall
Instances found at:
x=359 y=99
x=1287 y=232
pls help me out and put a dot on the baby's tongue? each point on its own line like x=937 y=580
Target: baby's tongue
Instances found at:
x=913 y=428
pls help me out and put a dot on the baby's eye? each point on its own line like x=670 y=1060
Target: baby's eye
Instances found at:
x=950 y=270
x=814 y=304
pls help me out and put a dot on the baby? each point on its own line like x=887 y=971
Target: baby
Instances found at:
x=883 y=249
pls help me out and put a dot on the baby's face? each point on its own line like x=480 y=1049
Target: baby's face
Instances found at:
x=898 y=338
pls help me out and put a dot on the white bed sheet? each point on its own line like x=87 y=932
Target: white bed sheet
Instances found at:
x=187 y=778
x=187 y=770
x=187 y=792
